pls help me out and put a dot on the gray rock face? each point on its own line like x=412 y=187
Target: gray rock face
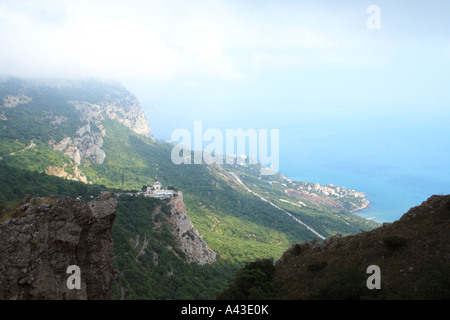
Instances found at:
x=124 y=108
x=11 y=101
x=86 y=143
x=128 y=111
x=115 y=103
x=47 y=237
x=79 y=107
x=187 y=236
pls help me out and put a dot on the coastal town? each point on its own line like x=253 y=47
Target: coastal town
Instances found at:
x=330 y=195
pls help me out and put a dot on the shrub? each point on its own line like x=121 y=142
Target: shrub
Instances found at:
x=297 y=249
x=394 y=243
x=348 y=283
x=317 y=266
x=434 y=284
x=253 y=281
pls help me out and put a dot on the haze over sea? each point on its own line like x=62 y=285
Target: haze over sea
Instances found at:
x=398 y=161
x=397 y=171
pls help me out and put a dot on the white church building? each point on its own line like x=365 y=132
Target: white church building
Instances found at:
x=156 y=190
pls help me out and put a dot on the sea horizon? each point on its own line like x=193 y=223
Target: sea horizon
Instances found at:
x=389 y=200
x=398 y=167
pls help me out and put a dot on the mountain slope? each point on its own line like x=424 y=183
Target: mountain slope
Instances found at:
x=413 y=256
x=155 y=263
x=150 y=253
x=95 y=132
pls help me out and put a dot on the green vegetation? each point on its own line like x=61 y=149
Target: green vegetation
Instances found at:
x=36 y=119
x=411 y=255
x=161 y=272
x=236 y=224
x=16 y=183
x=40 y=158
x=328 y=218
x=166 y=277
x=348 y=283
x=434 y=283
x=252 y=282
x=296 y=249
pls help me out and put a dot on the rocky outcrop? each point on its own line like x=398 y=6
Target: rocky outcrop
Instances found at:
x=79 y=108
x=408 y=259
x=413 y=253
x=45 y=236
x=13 y=101
x=121 y=106
x=60 y=172
x=117 y=104
x=188 y=238
x=94 y=102
x=85 y=144
x=128 y=111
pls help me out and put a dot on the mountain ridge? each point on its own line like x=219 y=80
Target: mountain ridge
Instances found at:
x=412 y=255
x=112 y=101
x=235 y=223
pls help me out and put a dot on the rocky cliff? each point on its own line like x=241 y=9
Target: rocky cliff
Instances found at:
x=76 y=108
x=116 y=103
x=406 y=259
x=413 y=254
x=187 y=236
x=43 y=237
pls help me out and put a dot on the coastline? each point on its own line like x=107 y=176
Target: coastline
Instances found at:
x=361 y=208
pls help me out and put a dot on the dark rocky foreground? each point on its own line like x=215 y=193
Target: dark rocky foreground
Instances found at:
x=45 y=236
x=408 y=259
x=413 y=254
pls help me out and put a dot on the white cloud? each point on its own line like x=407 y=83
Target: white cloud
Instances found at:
x=161 y=40
x=86 y=44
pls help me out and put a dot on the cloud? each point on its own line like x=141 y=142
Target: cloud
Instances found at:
x=166 y=40
x=85 y=43
x=109 y=39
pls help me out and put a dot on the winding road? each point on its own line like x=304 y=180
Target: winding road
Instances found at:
x=235 y=176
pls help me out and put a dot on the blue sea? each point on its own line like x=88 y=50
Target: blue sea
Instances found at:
x=398 y=160
x=390 y=193
x=398 y=168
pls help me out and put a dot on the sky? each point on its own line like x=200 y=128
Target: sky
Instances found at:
x=214 y=57
x=358 y=89
x=302 y=66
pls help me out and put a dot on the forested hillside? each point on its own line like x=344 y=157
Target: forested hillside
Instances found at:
x=91 y=132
